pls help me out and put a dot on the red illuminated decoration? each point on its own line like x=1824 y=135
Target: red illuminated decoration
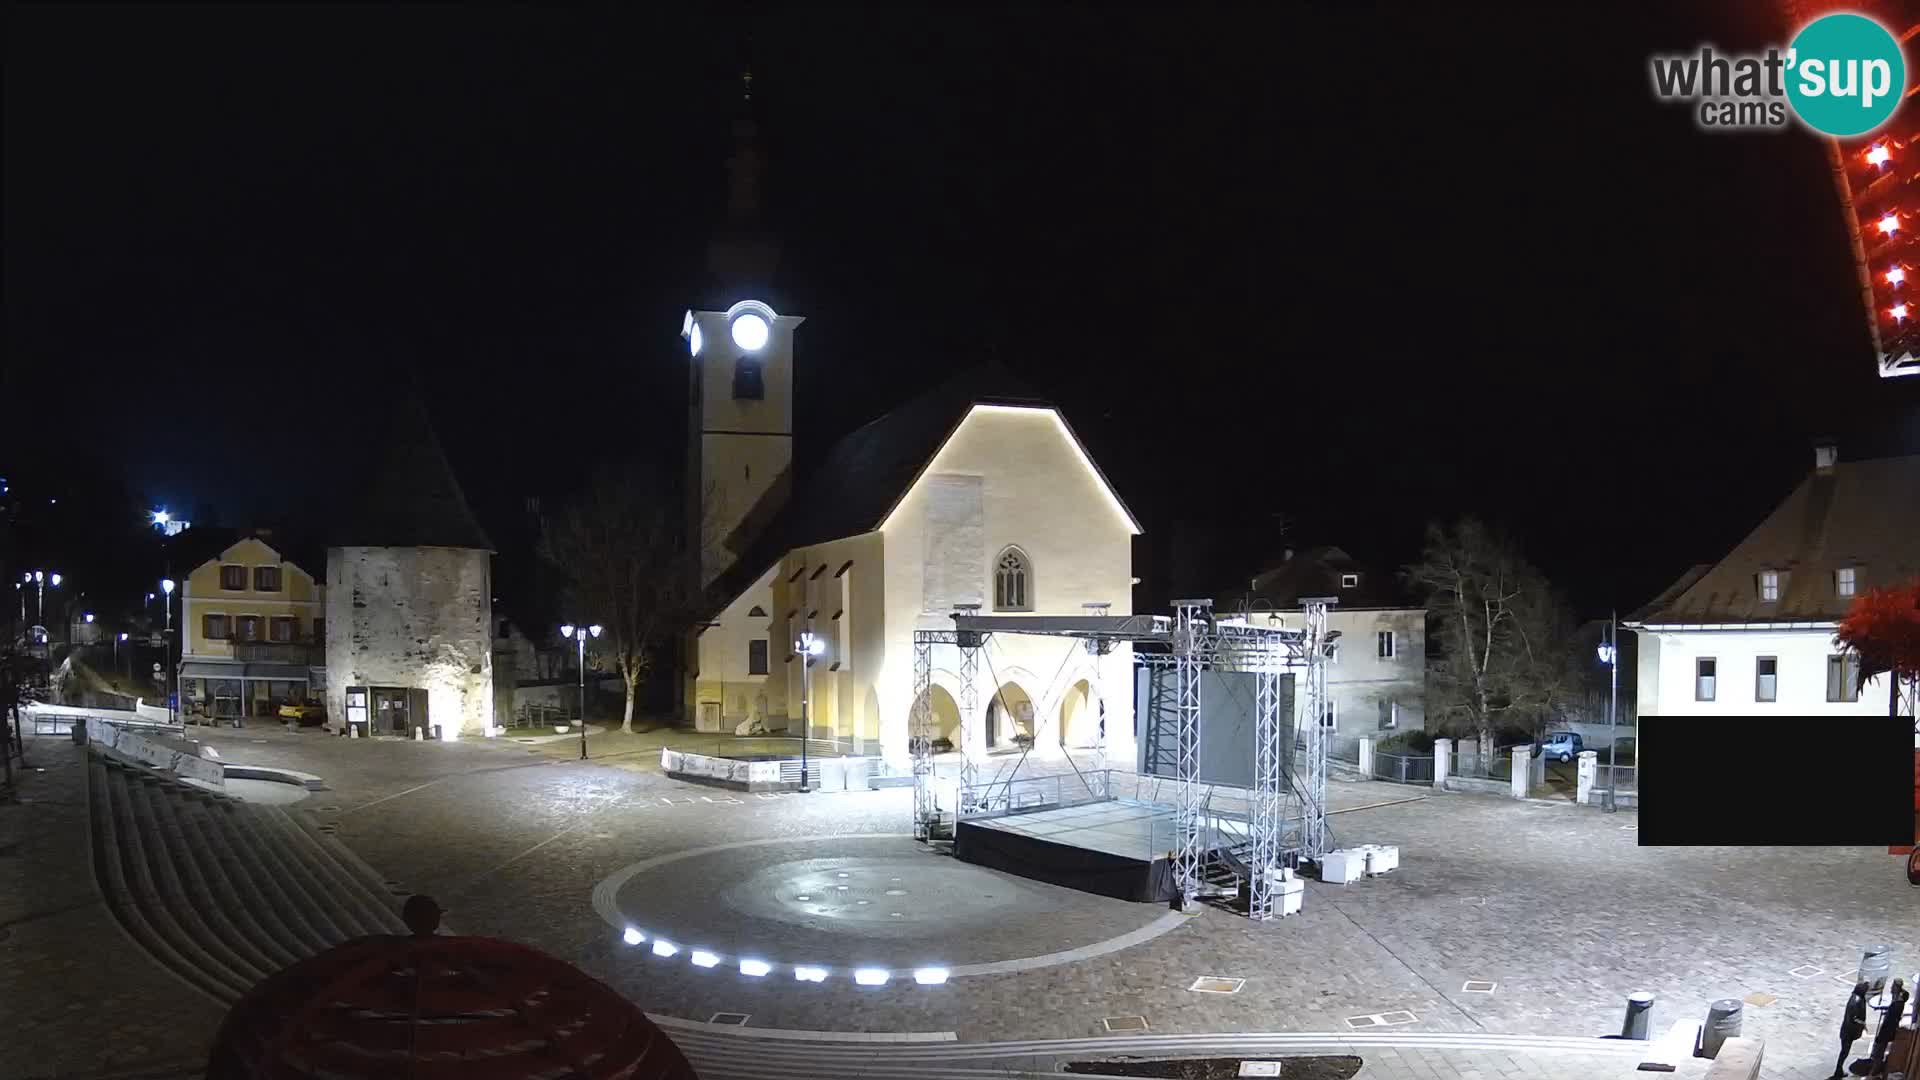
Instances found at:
x=439 y=1008
x=1883 y=626
x=1879 y=186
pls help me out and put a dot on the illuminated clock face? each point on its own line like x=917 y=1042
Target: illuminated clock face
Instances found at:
x=693 y=339
x=750 y=332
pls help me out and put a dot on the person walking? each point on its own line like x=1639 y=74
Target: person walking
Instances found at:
x=1853 y=1024
x=1889 y=1027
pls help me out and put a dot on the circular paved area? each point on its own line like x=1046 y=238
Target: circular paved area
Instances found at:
x=1556 y=904
x=862 y=901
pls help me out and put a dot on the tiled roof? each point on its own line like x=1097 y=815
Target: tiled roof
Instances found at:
x=409 y=496
x=199 y=545
x=1319 y=571
x=1859 y=514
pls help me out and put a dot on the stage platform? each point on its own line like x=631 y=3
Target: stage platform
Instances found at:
x=1116 y=848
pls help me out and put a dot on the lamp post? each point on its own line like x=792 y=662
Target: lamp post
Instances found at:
x=1610 y=656
x=173 y=697
x=118 y=640
x=41 y=578
x=580 y=634
x=809 y=646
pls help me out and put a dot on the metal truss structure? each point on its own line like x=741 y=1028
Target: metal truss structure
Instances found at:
x=1177 y=651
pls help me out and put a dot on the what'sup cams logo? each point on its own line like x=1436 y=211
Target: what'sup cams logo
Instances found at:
x=1843 y=75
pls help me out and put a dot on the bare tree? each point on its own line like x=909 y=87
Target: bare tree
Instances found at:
x=1502 y=633
x=630 y=565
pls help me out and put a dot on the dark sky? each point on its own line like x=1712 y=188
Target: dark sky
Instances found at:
x=1358 y=268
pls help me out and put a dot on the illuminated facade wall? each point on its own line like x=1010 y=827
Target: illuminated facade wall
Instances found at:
x=413 y=618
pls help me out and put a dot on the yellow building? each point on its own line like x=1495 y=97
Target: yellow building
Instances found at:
x=253 y=627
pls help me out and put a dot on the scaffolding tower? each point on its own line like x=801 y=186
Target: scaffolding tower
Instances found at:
x=1285 y=816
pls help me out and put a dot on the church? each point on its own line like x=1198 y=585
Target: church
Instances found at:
x=976 y=493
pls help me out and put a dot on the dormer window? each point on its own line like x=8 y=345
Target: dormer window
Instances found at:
x=1845 y=581
x=1349 y=581
x=748 y=382
x=1769 y=586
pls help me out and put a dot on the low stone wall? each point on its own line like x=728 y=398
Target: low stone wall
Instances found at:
x=1480 y=785
x=1738 y=1059
x=149 y=750
x=726 y=772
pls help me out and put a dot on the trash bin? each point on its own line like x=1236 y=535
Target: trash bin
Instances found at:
x=1639 y=1016
x=1876 y=966
x=79 y=729
x=858 y=770
x=1723 y=1023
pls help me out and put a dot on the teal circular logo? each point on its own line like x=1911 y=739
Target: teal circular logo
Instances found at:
x=1845 y=74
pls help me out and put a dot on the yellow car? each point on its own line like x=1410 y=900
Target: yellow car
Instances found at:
x=306 y=713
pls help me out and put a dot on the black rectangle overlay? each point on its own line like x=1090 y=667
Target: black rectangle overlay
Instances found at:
x=1776 y=781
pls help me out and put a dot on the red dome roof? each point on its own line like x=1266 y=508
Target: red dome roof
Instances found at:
x=428 y=1008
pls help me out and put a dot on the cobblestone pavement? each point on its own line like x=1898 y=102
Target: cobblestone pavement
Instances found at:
x=1552 y=903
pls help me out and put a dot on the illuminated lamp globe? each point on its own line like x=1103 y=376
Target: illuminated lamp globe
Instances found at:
x=54 y=579
x=750 y=332
x=166 y=586
x=693 y=339
x=566 y=630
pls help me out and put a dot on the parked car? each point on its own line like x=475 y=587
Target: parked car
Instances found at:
x=305 y=713
x=1561 y=746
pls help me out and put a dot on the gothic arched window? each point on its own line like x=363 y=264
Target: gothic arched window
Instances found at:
x=1012 y=581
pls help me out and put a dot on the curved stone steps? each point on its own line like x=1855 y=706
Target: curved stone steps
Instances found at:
x=211 y=904
x=221 y=892
x=373 y=915
x=111 y=862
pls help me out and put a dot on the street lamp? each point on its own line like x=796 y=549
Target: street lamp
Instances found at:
x=809 y=646
x=580 y=634
x=42 y=579
x=1610 y=656
x=117 y=641
x=173 y=698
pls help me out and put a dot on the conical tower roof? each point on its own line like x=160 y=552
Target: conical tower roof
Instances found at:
x=407 y=495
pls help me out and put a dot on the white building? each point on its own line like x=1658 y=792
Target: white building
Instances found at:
x=973 y=493
x=1753 y=633
x=1377 y=668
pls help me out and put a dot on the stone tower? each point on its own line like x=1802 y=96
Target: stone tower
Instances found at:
x=409 y=626
x=740 y=423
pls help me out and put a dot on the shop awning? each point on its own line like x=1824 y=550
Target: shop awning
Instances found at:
x=214 y=669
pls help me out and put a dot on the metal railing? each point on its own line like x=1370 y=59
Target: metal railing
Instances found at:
x=768 y=747
x=1403 y=768
x=534 y=715
x=996 y=798
x=1623 y=778
x=1470 y=765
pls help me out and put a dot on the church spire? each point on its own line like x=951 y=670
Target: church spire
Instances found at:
x=743 y=254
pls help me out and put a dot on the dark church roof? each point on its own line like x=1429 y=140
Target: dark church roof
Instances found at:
x=869 y=471
x=407 y=495
x=1859 y=514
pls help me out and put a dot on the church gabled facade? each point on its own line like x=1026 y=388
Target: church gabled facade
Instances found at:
x=975 y=493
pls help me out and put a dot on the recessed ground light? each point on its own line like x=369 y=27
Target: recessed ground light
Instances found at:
x=632 y=936
x=804 y=896
x=930 y=976
x=896 y=914
x=896 y=892
x=870 y=976
x=839 y=875
x=664 y=948
x=810 y=974
x=703 y=958
x=842 y=888
x=755 y=968
x=863 y=903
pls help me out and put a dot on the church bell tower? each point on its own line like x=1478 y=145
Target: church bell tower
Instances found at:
x=740 y=427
